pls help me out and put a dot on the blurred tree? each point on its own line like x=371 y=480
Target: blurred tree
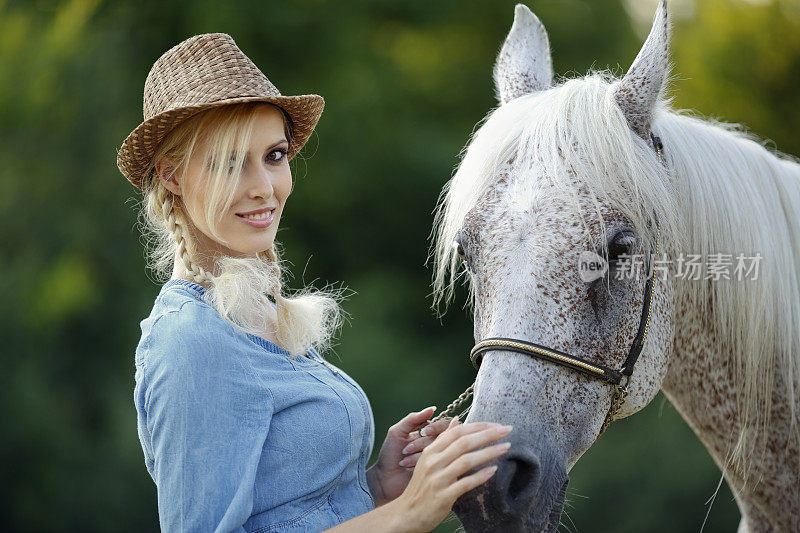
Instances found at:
x=739 y=61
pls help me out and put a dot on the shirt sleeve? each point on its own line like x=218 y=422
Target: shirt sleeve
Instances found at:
x=208 y=414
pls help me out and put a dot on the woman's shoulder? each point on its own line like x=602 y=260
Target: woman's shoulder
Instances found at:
x=183 y=325
x=196 y=365
x=180 y=304
x=177 y=293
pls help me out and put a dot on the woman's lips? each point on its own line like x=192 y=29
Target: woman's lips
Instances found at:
x=258 y=222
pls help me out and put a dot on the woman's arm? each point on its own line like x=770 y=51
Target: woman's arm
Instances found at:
x=388 y=518
x=208 y=417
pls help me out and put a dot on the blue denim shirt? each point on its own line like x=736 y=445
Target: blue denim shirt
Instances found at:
x=239 y=437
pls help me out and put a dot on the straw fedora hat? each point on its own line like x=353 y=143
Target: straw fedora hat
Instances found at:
x=205 y=71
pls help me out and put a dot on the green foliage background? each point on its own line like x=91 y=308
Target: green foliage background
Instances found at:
x=405 y=83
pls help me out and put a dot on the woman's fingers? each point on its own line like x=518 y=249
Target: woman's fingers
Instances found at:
x=417 y=445
x=465 y=462
x=421 y=439
x=410 y=461
x=431 y=430
x=410 y=422
x=435 y=483
x=467 y=483
x=468 y=461
x=469 y=441
x=456 y=430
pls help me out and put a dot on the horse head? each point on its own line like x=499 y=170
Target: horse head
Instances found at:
x=554 y=173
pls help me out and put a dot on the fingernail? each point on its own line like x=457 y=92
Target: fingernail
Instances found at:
x=424 y=431
x=503 y=446
x=504 y=429
x=408 y=448
x=431 y=408
x=404 y=462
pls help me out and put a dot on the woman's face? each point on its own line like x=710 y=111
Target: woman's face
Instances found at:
x=250 y=224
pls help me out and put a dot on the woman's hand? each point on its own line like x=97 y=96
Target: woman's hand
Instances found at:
x=436 y=483
x=389 y=476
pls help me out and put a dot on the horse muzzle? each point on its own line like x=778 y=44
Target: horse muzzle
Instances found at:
x=526 y=494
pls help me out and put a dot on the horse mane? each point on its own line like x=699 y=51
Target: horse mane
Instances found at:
x=740 y=197
x=719 y=191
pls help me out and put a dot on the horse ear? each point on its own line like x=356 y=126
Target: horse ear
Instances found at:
x=523 y=65
x=638 y=90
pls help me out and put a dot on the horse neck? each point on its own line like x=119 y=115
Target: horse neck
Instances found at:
x=701 y=382
x=701 y=386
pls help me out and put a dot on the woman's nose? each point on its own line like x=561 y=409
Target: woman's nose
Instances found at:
x=260 y=184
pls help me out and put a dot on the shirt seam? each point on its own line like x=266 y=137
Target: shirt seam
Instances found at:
x=144 y=359
x=349 y=424
x=296 y=519
x=363 y=457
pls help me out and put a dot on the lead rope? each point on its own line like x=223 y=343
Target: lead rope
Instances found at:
x=463 y=397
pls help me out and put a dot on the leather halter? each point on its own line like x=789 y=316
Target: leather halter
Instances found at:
x=618 y=377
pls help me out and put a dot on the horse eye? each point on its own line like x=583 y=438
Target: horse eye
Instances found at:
x=460 y=251
x=621 y=244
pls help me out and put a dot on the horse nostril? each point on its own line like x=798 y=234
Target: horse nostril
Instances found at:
x=518 y=482
x=521 y=479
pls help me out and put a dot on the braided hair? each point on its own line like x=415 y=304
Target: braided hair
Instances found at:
x=167 y=200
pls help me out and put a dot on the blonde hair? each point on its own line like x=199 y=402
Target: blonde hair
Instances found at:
x=241 y=287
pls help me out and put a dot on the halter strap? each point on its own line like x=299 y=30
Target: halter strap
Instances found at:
x=595 y=370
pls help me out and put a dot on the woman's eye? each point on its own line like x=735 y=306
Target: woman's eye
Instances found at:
x=277 y=156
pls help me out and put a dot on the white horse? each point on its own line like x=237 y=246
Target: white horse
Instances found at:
x=558 y=169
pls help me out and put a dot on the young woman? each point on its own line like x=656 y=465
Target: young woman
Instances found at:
x=244 y=426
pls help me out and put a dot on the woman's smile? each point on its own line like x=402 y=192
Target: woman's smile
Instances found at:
x=260 y=218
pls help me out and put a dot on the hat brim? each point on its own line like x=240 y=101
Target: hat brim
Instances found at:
x=136 y=152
